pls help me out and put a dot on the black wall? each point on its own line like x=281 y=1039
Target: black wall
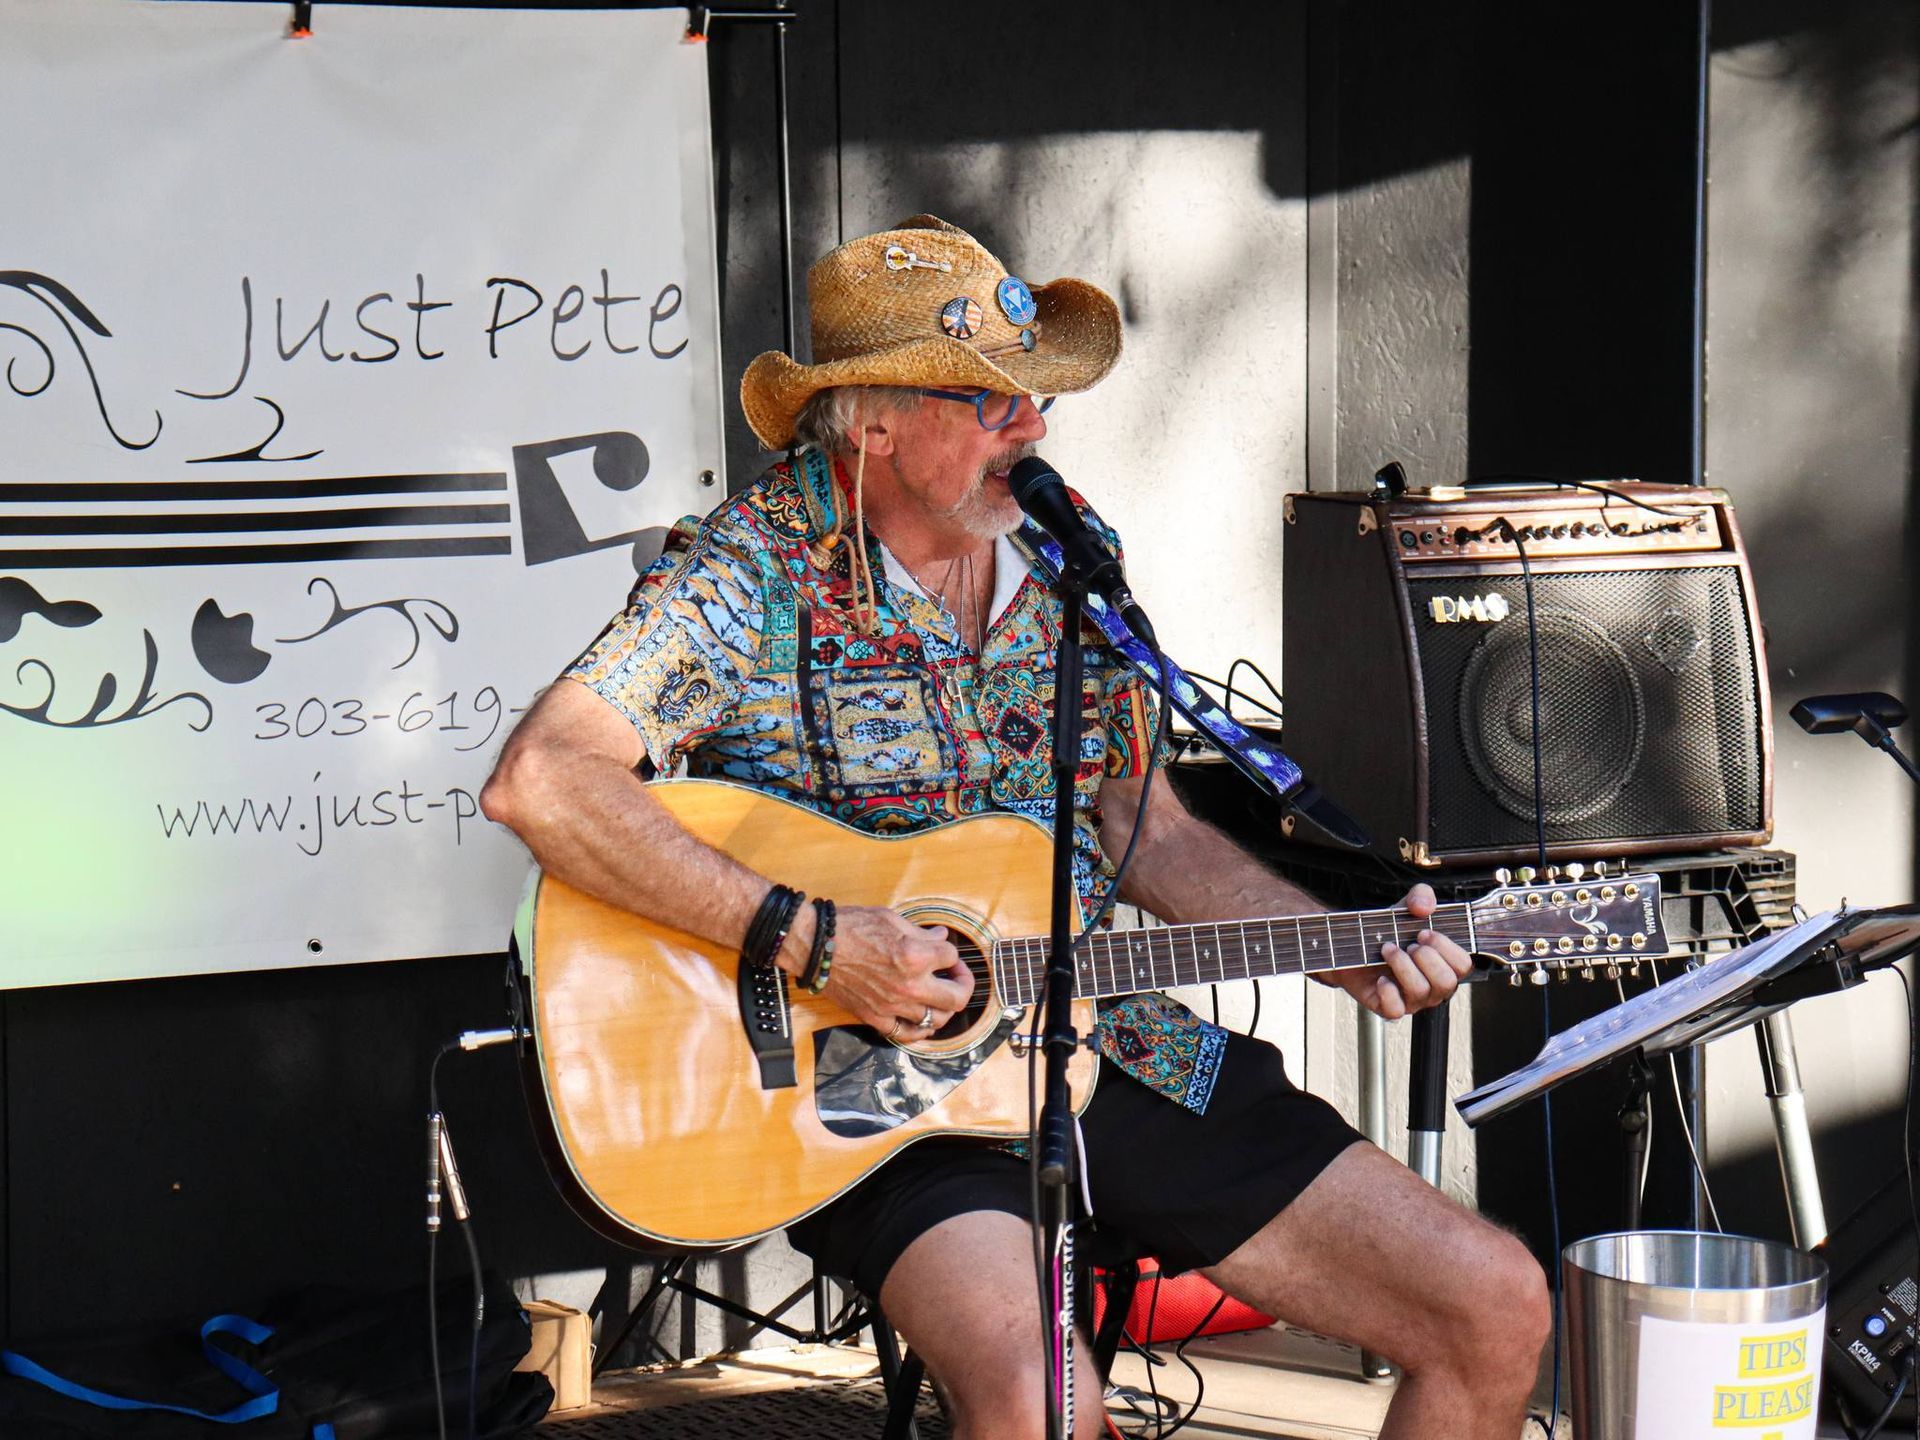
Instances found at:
x=1586 y=166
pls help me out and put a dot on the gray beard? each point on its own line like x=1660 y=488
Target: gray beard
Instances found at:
x=986 y=518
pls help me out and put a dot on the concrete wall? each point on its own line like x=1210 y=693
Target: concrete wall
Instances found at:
x=1811 y=426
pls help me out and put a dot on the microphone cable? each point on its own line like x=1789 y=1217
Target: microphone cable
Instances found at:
x=1546 y=991
x=1597 y=487
x=433 y=1251
x=433 y=1292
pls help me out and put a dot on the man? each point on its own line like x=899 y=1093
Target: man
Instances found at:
x=859 y=632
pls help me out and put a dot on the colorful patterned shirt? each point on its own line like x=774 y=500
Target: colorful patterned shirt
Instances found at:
x=735 y=659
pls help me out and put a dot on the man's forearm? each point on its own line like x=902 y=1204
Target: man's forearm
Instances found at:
x=1189 y=872
x=590 y=822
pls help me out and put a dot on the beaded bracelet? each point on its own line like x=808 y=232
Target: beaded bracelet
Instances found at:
x=820 y=956
x=768 y=929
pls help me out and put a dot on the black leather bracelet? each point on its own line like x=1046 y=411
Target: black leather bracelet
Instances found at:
x=791 y=913
x=774 y=917
x=820 y=956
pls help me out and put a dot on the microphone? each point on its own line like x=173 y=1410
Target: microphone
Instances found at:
x=1042 y=494
x=436 y=1134
x=456 y=1191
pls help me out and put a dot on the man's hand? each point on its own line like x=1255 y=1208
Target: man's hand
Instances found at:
x=892 y=974
x=1408 y=980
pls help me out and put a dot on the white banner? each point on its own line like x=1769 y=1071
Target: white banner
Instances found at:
x=344 y=382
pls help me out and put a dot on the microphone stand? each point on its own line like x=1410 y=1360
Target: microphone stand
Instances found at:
x=1055 y=1141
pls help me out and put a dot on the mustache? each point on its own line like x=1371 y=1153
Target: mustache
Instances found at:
x=1007 y=459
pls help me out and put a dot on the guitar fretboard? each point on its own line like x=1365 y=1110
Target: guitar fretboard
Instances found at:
x=1121 y=962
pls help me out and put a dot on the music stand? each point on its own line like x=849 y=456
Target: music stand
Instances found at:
x=1831 y=951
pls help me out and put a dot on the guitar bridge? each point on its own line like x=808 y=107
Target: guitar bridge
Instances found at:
x=768 y=1020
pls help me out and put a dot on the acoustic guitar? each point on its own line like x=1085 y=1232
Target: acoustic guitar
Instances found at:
x=669 y=1127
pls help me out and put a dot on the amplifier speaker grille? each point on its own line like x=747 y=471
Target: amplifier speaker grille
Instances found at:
x=1649 y=710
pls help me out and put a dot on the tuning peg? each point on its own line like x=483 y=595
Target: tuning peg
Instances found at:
x=1600 y=869
x=1526 y=873
x=1503 y=876
x=1565 y=976
x=1576 y=871
x=1553 y=873
x=1586 y=972
x=1613 y=971
x=1538 y=975
x=1513 y=977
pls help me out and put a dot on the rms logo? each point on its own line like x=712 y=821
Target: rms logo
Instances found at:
x=1456 y=610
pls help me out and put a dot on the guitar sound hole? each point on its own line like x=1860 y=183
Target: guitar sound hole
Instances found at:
x=976 y=961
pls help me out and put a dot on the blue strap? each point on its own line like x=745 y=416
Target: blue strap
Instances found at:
x=1264 y=763
x=234 y=1368
x=266 y=1395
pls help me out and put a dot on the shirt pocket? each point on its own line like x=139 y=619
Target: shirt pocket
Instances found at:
x=876 y=730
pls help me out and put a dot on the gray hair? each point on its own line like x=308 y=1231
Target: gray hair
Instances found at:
x=832 y=416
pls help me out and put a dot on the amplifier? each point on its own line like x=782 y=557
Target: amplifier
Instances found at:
x=1409 y=675
x=1871 y=1321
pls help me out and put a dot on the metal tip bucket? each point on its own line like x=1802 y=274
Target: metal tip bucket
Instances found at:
x=1674 y=1334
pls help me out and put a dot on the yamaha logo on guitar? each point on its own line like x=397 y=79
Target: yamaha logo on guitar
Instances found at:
x=1410 y=670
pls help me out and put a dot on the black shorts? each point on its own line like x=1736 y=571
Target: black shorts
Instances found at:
x=1188 y=1189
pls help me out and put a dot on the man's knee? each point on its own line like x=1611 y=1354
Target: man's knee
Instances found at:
x=1505 y=1304
x=1010 y=1401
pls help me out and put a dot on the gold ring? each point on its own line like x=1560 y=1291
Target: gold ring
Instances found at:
x=926 y=1020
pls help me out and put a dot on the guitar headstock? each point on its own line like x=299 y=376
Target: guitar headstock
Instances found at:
x=1594 y=924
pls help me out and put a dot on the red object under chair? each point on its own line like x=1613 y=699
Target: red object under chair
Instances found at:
x=1177 y=1304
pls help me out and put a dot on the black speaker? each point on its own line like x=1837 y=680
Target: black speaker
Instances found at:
x=1411 y=671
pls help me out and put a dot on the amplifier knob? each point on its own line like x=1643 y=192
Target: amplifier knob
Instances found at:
x=1462 y=535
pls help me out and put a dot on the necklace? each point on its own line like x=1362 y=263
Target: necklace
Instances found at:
x=964 y=611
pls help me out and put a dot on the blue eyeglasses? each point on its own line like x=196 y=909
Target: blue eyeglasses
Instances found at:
x=986 y=401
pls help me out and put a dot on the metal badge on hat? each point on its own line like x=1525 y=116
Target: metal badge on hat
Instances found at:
x=961 y=317
x=1016 y=300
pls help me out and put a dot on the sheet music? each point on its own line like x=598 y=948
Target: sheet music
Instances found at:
x=1631 y=1023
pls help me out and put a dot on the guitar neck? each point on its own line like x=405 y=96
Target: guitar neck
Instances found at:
x=1124 y=962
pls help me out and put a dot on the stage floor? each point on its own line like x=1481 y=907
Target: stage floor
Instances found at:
x=1264 y=1383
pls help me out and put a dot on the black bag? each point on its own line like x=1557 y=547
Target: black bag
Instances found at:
x=328 y=1365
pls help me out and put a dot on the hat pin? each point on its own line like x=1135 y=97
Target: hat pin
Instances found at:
x=898 y=257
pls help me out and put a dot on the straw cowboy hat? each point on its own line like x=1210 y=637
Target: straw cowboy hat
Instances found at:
x=925 y=304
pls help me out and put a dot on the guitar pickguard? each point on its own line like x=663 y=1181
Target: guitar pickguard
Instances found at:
x=864 y=1085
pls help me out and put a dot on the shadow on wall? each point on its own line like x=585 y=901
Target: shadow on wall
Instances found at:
x=1814 y=418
